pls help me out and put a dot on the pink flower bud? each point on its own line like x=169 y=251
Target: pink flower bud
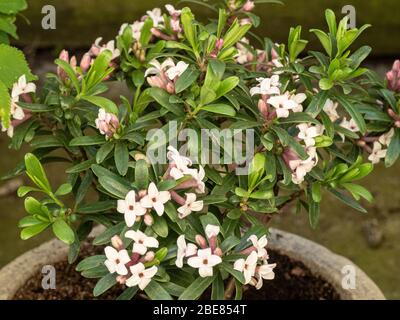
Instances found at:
x=149 y=256
x=248 y=6
x=397 y=124
x=64 y=55
x=218 y=252
x=156 y=82
x=289 y=155
x=263 y=108
x=201 y=241
x=148 y=220
x=85 y=62
x=94 y=50
x=121 y=279
x=393 y=77
x=244 y=21
x=219 y=44
x=117 y=243
x=170 y=88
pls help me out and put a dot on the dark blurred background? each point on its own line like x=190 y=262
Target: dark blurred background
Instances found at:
x=371 y=240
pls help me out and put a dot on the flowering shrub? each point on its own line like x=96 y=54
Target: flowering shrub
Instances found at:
x=178 y=227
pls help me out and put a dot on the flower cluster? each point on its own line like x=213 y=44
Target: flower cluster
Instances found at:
x=131 y=269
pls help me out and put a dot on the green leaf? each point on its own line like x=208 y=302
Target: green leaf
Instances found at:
x=162 y=97
x=326 y=84
x=121 y=156
x=196 y=289
x=32 y=231
x=187 y=79
x=217 y=289
x=24 y=190
x=28 y=221
x=63 y=189
x=189 y=28
x=82 y=166
x=104 y=151
x=313 y=213
x=96 y=207
x=226 y=86
x=5 y=106
x=106 y=236
x=128 y=293
x=114 y=187
x=36 y=172
x=90 y=262
x=353 y=112
x=236 y=274
x=358 y=191
x=104 y=284
x=13 y=65
x=316 y=192
x=160 y=227
x=393 y=151
x=87 y=141
x=220 y=109
x=63 y=231
x=141 y=174
x=156 y=292
x=347 y=200
x=317 y=103
x=299 y=117
x=12 y=6
x=103 y=103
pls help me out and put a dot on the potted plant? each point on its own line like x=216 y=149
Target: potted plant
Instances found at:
x=217 y=134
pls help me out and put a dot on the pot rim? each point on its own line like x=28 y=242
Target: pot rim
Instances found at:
x=317 y=258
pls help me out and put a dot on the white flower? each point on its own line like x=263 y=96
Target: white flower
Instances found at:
x=177 y=71
x=204 y=261
x=156 y=16
x=155 y=199
x=386 y=138
x=300 y=167
x=377 y=153
x=248 y=266
x=136 y=28
x=116 y=260
x=130 y=208
x=286 y=102
x=244 y=55
x=184 y=250
x=158 y=67
x=308 y=133
x=266 y=271
x=190 y=205
x=110 y=45
x=141 y=241
x=17 y=113
x=181 y=163
x=260 y=245
x=349 y=125
x=330 y=109
x=141 y=276
x=172 y=11
x=22 y=87
x=268 y=86
x=212 y=231
x=199 y=176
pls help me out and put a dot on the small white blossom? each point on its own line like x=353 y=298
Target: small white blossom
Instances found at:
x=141 y=276
x=386 y=138
x=204 y=261
x=199 y=176
x=248 y=266
x=181 y=163
x=349 y=125
x=260 y=245
x=110 y=45
x=300 y=167
x=377 y=153
x=176 y=71
x=136 y=29
x=156 y=16
x=155 y=199
x=266 y=272
x=244 y=55
x=212 y=231
x=130 y=208
x=330 y=109
x=172 y=11
x=116 y=260
x=286 y=102
x=308 y=133
x=267 y=86
x=184 y=250
x=141 y=241
x=157 y=67
x=21 y=87
x=190 y=205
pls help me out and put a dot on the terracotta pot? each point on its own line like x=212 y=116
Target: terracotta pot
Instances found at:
x=317 y=258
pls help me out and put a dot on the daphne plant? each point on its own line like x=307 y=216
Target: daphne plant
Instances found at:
x=180 y=220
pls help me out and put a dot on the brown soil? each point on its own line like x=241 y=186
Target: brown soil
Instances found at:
x=293 y=281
